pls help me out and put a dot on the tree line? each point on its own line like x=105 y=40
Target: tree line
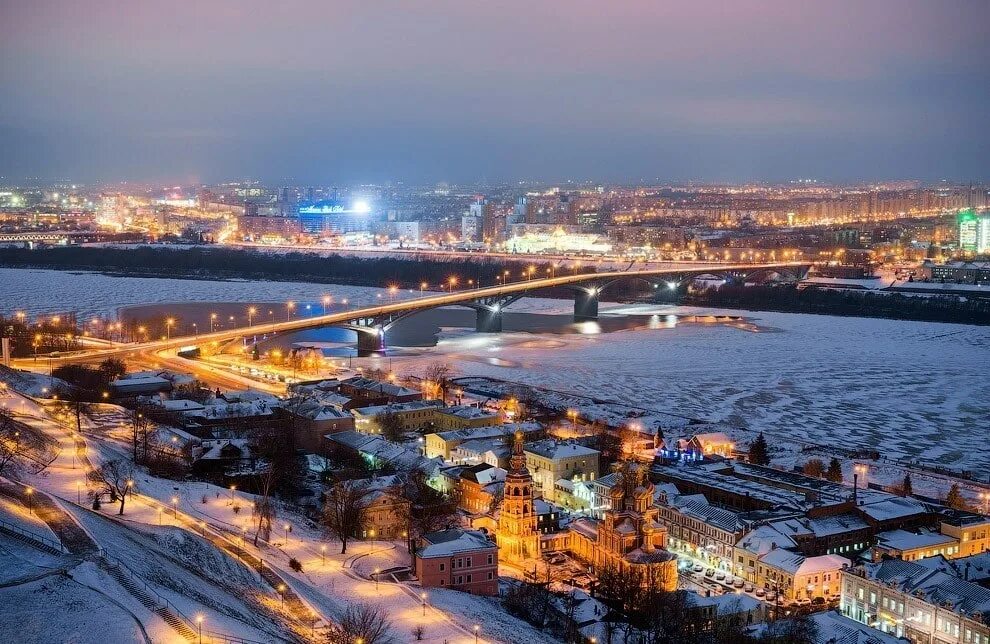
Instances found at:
x=850 y=303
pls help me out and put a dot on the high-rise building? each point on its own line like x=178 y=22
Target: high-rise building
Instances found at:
x=974 y=231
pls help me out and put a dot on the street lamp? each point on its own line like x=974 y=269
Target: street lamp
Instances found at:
x=251 y=312
x=199 y=625
x=423 y=597
x=213 y=319
x=288 y=309
x=175 y=508
x=323 y=554
x=476 y=629
x=377 y=570
x=422 y=285
x=326 y=302
x=30 y=495
x=286 y=527
x=281 y=594
x=233 y=488
x=168 y=328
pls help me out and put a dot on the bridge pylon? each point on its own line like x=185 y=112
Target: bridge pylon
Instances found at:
x=586 y=303
x=370 y=340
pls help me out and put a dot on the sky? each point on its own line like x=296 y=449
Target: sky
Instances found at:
x=320 y=91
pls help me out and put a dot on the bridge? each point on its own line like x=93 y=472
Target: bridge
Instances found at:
x=372 y=323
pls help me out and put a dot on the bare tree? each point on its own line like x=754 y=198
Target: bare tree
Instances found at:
x=115 y=478
x=343 y=511
x=10 y=444
x=439 y=375
x=366 y=623
x=429 y=509
x=264 y=511
x=391 y=426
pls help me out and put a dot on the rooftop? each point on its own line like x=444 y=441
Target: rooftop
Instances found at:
x=904 y=540
x=933 y=586
x=449 y=542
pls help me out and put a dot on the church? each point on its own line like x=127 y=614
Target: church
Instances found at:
x=628 y=535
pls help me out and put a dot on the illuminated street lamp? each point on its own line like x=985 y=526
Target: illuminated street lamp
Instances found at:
x=30 y=496
x=377 y=571
x=168 y=328
x=476 y=629
x=199 y=624
x=452 y=282
x=288 y=309
x=286 y=528
x=422 y=285
x=281 y=594
x=213 y=320
x=233 y=488
x=422 y=596
x=323 y=554
x=251 y=312
x=326 y=302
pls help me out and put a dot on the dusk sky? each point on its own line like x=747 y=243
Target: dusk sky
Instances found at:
x=324 y=91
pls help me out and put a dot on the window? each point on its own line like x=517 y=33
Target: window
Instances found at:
x=491 y=560
x=443 y=567
x=460 y=579
x=491 y=576
x=469 y=579
x=469 y=562
x=443 y=582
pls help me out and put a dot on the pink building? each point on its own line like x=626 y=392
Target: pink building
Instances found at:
x=460 y=559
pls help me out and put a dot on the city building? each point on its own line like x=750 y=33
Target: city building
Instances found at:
x=458 y=559
x=313 y=419
x=464 y=417
x=414 y=416
x=974 y=231
x=911 y=546
x=971 y=530
x=920 y=604
x=550 y=460
x=794 y=576
x=330 y=218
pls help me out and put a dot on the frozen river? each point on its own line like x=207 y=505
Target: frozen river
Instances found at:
x=914 y=389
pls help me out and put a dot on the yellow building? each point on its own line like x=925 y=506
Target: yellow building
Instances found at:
x=912 y=546
x=415 y=416
x=795 y=576
x=385 y=515
x=972 y=531
x=442 y=444
x=549 y=461
x=518 y=538
x=464 y=417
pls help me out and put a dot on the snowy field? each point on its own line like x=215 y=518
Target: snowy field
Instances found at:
x=912 y=389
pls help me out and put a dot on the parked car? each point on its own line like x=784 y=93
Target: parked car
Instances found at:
x=698 y=567
x=818 y=601
x=720 y=576
x=760 y=592
x=748 y=588
x=771 y=596
x=739 y=583
x=710 y=573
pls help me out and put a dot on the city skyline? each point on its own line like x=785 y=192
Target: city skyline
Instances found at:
x=326 y=92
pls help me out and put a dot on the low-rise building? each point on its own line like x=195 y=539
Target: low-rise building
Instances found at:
x=549 y=461
x=971 y=530
x=910 y=600
x=459 y=559
x=707 y=532
x=311 y=420
x=712 y=443
x=795 y=576
x=417 y=415
x=911 y=546
x=464 y=417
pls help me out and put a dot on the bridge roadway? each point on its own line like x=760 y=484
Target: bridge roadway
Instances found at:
x=372 y=322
